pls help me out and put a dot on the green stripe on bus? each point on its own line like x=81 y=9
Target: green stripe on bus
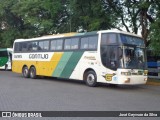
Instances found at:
x=3 y=61
x=71 y=64
x=62 y=63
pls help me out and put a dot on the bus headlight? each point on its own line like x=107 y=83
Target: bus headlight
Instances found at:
x=145 y=79
x=127 y=80
x=145 y=72
x=126 y=73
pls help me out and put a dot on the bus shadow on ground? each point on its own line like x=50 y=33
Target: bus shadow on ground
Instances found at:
x=99 y=85
x=62 y=80
x=4 y=70
x=119 y=87
x=80 y=82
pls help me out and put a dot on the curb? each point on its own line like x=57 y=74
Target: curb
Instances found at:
x=153 y=82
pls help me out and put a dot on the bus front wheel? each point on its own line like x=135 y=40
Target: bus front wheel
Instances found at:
x=25 y=72
x=91 y=78
x=32 y=73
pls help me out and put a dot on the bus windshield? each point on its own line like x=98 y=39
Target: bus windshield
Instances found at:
x=133 y=52
x=126 y=51
x=134 y=57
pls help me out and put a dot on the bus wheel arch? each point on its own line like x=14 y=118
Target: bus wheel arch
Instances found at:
x=32 y=72
x=25 y=71
x=90 y=77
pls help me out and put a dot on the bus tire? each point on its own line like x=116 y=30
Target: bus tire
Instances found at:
x=25 y=72
x=90 y=78
x=32 y=73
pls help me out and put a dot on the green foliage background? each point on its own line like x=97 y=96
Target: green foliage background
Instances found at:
x=32 y=18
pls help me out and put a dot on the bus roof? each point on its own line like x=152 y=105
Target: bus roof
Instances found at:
x=76 y=34
x=118 y=31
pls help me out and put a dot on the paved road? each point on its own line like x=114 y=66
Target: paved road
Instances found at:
x=49 y=94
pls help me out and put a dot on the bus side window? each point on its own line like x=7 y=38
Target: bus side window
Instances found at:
x=34 y=46
x=43 y=45
x=84 y=43
x=89 y=42
x=75 y=42
x=46 y=45
x=40 y=45
x=29 y=46
x=67 y=44
x=16 y=47
x=20 y=47
x=93 y=41
x=57 y=44
x=53 y=44
x=24 y=46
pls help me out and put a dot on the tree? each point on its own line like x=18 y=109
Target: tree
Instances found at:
x=134 y=15
x=29 y=18
x=32 y=18
x=90 y=15
x=40 y=15
x=9 y=23
x=155 y=33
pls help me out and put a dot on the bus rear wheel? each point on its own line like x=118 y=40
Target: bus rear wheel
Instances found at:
x=32 y=73
x=90 y=78
x=25 y=72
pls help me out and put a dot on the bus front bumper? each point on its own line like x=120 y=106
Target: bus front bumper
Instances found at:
x=129 y=80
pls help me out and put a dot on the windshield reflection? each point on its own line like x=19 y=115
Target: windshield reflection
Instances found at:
x=134 y=57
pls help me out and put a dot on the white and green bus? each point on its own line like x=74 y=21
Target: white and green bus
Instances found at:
x=107 y=56
x=6 y=58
